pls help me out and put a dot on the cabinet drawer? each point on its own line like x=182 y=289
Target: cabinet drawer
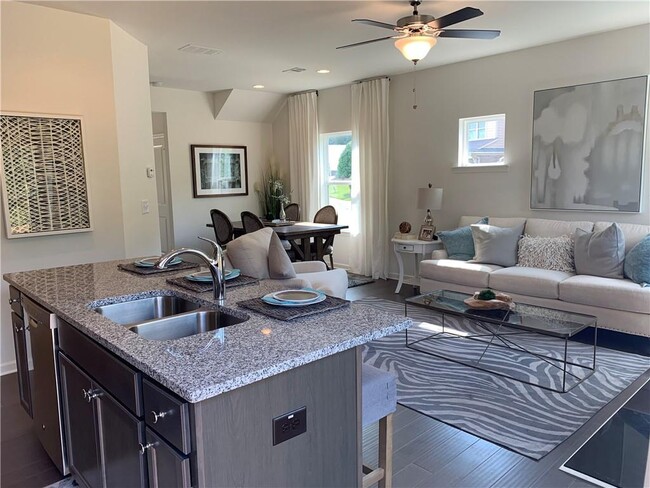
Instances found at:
x=112 y=373
x=405 y=247
x=168 y=415
x=14 y=301
x=167 y=468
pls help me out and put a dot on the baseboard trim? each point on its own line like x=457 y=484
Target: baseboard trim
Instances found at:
x=7 y=368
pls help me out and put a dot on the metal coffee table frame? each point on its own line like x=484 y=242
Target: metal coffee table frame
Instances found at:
x=502 y=333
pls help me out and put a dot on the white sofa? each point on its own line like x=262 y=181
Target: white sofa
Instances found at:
x=310 y=274
x=619 y=304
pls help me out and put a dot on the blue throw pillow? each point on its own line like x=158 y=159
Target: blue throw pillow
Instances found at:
x=459 y=243
x=637 y=263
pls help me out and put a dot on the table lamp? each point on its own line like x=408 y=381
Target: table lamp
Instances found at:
x=430 y=199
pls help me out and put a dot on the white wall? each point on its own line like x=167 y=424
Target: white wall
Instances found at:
x=135 y=144
x=424 y=142
x=190 y=120
x=65 y=66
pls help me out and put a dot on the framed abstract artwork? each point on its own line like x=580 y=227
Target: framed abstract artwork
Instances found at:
x=44 y=179
x=219 y=171
x=588 y=145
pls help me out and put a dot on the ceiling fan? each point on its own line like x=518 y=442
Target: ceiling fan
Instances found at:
x=416 y=34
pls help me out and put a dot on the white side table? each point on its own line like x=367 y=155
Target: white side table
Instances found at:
x=411 y=246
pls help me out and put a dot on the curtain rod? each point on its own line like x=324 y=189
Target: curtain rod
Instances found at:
x=302 y=92
x=372 y=79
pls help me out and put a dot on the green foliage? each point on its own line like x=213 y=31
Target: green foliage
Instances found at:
x=340 y=192
x=271 y=192
x=486 y=294
x=344 y=168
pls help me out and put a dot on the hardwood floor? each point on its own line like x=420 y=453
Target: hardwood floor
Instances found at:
x=427 y=453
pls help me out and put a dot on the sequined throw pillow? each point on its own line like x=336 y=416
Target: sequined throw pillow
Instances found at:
x=554 y=253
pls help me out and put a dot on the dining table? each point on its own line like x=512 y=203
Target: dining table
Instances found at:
x=299 y=235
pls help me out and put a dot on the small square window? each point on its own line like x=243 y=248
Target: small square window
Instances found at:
x=481 y=141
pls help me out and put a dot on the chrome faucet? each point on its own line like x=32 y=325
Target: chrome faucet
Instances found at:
x=215 y=265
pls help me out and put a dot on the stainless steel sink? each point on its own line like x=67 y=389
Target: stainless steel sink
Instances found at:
x=186 y=325
x=143 y=309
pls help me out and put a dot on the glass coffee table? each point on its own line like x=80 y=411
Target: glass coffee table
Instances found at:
x=540 y=338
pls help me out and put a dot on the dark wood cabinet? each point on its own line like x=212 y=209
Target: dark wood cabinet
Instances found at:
x=80 y=419
x=22 y=366
x=105 y=441
x=167 y=467
x=122 y=436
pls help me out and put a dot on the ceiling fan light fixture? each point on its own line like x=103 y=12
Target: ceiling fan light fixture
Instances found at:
x=415 y=48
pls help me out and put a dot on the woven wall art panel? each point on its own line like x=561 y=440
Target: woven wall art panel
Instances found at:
x=44 y=175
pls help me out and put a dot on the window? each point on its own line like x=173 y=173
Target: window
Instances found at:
x=482 y=141
x=336 y=172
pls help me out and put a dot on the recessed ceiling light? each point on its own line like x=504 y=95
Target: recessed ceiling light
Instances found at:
x=259 y=87
x=323 y=71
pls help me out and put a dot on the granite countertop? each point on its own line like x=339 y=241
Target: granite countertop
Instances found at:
x=204 y=365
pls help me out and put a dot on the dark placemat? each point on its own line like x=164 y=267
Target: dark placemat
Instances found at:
x=290 y=313
x=132 y=268
x=203 y=287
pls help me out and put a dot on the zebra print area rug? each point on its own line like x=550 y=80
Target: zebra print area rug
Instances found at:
x=524 y=418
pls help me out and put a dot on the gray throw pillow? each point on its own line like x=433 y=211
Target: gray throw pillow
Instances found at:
x=458 y=242
x=600 y=253
x=496 y=245
x=280 y=267
x=554 y=253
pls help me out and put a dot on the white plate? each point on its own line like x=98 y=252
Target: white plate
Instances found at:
x=206 y=277
x=149 y=262
x=296 y=296
x=272 y=301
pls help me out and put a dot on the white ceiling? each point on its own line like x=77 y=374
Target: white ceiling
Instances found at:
x=259 y=39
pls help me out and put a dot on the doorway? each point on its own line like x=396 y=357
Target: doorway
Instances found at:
x=163 y=180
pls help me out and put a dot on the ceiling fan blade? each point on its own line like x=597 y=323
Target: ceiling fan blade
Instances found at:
x=375 y=23
x=364 y=42
x=455 y=17
x=470 y=34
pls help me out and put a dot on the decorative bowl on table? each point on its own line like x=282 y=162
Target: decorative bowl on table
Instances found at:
x=490 y=300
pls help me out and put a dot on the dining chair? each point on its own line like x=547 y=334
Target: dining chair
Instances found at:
x=292 y=212
x=223 y=230
x=327 y=215
x=251 y=222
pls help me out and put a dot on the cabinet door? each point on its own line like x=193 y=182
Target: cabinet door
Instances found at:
x=79 y=417
x=167 y=467
x=20 y=346
x=121 y=435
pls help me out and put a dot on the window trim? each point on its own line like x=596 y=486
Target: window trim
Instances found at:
x=463 y=122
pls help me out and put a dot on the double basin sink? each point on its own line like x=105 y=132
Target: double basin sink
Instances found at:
x=166 y=317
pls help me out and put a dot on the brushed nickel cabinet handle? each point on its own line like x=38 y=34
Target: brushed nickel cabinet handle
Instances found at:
x=89 y=394
x=13 y=300
x=144 y=447
x=158 y=416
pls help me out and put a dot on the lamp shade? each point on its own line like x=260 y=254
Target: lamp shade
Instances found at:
x=415 y=48
x=429 y=198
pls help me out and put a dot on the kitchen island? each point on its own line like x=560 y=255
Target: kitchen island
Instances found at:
x=228 y=399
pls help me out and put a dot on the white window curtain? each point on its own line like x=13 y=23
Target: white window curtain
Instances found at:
x=370 y=144
x=303 y=152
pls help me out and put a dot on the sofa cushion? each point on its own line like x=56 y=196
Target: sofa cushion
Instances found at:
x=600 y=253
x=280 y=266
x=637 y=263
x=634 y=233
x=554 y=253
x=496 y=245
x=249 y=253
x=534 y=282
x=498 y=221
x=459 y=243
x=609 y=293
x=460 y=272
x=555 y=228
